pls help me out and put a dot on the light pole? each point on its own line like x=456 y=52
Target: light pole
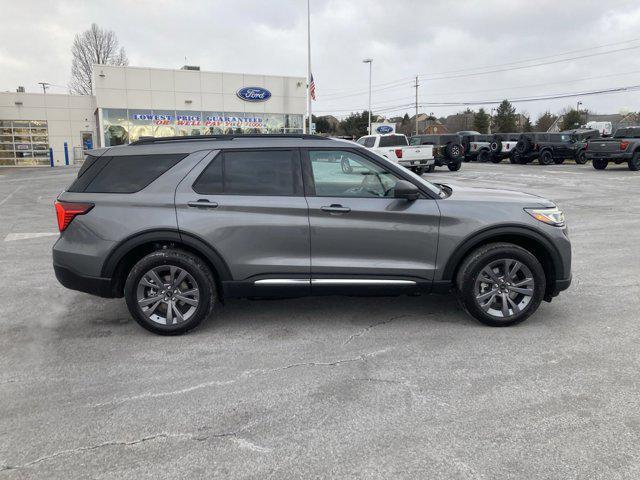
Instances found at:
x=578 y=108
x=370 y=62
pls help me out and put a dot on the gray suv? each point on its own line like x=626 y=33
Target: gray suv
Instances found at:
x=176 y=225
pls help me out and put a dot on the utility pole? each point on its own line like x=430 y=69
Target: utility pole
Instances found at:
x=45 y=85
x=417 y=85
x=370 y=62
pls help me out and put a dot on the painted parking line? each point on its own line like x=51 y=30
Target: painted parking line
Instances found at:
x=12 y=237
x=9 y=196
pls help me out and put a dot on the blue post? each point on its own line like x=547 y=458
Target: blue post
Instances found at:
x=51 y=156
x=66 y=154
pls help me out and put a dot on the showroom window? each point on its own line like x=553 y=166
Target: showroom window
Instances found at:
x=124 y=126
x=24 y=142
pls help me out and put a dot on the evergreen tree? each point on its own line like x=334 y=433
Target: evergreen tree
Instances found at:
x=572 y=119
x=505 y=119
x=481 y=121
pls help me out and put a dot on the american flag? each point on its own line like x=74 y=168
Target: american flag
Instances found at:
x=312 y=88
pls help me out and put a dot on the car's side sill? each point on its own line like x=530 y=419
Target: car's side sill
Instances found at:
x=297 y=287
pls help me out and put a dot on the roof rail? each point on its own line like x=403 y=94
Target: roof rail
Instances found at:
x=188 y=138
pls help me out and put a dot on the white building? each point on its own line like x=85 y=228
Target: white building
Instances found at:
x=131 y=102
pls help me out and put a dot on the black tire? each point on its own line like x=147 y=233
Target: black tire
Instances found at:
x=496 y=159
x=430 y=169
x=514 y=158
x=545 y=158
x=558 y=161
x=599 y=163
x=418 y=170
x=470 y=271
x=496 y=146
x=188 y=262
x=523 y=145
x=581 y=158
x=634 y=162
x=454 y=166
x=453 y=151
x=484 y=156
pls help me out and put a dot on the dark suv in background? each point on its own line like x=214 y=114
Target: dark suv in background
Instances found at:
x=549 y=148
x=447 y=149
x=176 y=224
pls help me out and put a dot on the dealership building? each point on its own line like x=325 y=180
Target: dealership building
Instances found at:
x=131 y=102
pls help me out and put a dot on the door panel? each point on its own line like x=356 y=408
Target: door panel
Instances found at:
x=358 y=231
x=255 y=234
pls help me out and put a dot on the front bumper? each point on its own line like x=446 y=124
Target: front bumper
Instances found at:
x=74 y=281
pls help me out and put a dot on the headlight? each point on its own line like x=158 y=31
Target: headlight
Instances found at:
x=551 y=216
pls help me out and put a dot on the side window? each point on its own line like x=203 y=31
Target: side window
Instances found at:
x=123 y=174
x=129 y=174
x=369 y=142
x=260 y=172
x=341 y=173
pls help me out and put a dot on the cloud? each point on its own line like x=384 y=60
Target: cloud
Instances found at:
x=405 y=38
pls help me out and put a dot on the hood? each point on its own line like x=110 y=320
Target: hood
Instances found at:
x=494 y=195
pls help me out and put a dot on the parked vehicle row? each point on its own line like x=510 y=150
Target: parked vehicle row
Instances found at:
x=447 y=149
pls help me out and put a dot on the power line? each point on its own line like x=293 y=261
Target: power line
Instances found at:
x=530 y=66
x=569 y=52
x=404 y=79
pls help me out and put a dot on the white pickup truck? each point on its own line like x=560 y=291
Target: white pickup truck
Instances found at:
x=396 y=148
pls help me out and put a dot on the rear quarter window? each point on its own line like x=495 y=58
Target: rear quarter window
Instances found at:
x=124 y=174
x=393 y=141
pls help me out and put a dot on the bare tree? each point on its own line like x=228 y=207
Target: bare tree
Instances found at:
x=93 y=46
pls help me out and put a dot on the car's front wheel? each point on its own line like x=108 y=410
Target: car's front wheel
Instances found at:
x=501 y=284
x=581 y=158
x=634 y=162
x=170 y=291
x=546 y=158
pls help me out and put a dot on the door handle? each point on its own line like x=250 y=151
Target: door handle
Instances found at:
x=203 y=204
x=335 y=208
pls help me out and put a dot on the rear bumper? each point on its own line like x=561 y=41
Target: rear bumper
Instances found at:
x=74 y=281
x=617 y=156
x=416 y=163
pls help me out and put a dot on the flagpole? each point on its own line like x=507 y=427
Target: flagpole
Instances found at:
x=309 y=116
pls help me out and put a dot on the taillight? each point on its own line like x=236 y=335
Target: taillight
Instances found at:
x=623 y=145
x=67 y=211
x=586 y=146
x=473 y=146
x=399 y=152
x=535 y=146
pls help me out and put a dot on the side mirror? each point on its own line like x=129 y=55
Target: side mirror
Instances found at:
x=406 y=190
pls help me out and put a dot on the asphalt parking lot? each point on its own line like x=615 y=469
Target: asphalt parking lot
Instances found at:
x=404 y=387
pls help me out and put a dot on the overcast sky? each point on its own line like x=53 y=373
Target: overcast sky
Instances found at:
x=405 y=38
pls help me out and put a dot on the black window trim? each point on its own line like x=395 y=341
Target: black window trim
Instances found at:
x=298 y=184
x=309 y=184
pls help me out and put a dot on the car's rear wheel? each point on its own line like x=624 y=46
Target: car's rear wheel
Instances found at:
x=634 y=162
x=170 y=291
x=581 y=158
x=430 y=168
x=501 y=284
x=599 y=163
x=546 y=158
x=418 y=170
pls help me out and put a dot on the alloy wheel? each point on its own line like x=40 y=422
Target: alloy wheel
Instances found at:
x=504 y=288
x=168 y=295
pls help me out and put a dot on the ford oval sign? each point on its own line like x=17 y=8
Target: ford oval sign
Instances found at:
x=254 y=94
x=384 y=129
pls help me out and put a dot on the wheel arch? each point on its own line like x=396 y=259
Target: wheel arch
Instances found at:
x=536 y=243
x=129 y=251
